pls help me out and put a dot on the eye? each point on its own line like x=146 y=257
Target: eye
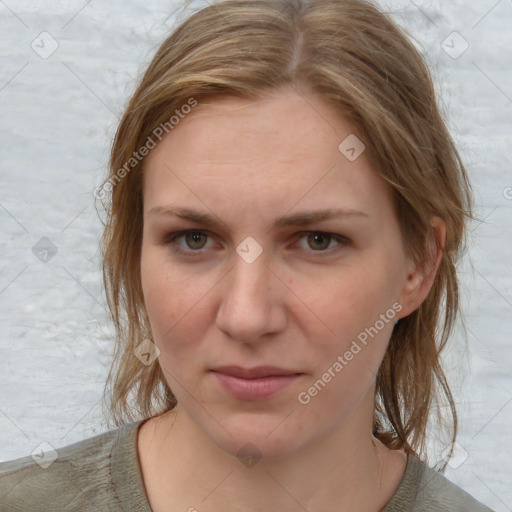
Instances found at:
x=320 y=241
x=195 y=241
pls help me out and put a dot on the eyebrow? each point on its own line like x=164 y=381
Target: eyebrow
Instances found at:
x=295 y=219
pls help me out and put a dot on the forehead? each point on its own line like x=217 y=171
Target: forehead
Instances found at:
x=281 y=149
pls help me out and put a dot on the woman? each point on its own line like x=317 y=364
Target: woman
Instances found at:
x=287 y=209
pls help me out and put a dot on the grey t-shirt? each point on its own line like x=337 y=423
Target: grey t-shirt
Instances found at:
x=102 y=473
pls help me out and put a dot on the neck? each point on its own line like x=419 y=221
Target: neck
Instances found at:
x=343 y=470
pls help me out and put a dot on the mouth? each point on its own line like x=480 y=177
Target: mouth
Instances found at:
x=254 y=383
x=255 y=373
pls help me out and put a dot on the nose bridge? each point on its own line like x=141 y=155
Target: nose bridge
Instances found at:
x=249 y=277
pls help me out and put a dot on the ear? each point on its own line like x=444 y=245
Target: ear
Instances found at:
x=420 y=278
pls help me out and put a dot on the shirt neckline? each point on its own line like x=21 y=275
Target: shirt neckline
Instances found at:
x=126 y=471
x=404 y=498
x=131 y=493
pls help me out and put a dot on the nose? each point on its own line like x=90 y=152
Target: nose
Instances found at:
x=252 y=301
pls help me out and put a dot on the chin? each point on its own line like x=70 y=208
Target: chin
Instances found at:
x=252 y=436
x=251 y=447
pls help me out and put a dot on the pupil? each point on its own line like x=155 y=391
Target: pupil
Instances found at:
x=193 y=237
x=318 y=237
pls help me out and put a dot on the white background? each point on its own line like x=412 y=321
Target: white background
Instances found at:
x=59 y=115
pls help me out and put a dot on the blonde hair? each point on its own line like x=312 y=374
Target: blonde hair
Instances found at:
x=355 y=58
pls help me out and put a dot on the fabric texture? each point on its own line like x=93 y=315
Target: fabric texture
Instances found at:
x=102 y=473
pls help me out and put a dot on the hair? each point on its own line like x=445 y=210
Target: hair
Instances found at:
x=364 y=66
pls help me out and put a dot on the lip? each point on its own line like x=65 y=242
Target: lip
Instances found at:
x=256 y=383
x=256 y=372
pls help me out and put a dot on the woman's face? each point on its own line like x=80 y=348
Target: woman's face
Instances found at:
x=259 y=286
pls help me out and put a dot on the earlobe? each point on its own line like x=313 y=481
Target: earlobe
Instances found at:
x=420 y=278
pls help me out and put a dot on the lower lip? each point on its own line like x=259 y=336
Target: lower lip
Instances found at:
x=255 y=389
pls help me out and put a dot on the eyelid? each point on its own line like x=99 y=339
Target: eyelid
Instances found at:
x=171 y=238
x=340 y=239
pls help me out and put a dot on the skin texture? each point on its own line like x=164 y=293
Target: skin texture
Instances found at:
x=298 y=305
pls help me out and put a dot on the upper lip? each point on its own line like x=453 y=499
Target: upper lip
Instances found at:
x=253 y=373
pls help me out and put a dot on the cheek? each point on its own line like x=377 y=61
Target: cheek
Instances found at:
x=341 y=303
x=165 y=295
x=175 y=303
x=347 y=322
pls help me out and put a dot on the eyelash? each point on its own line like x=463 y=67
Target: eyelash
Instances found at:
x=172 y=237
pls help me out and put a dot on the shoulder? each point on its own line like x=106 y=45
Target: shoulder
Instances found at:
x=425 y=490
x=75 y=477
x=436 y=491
